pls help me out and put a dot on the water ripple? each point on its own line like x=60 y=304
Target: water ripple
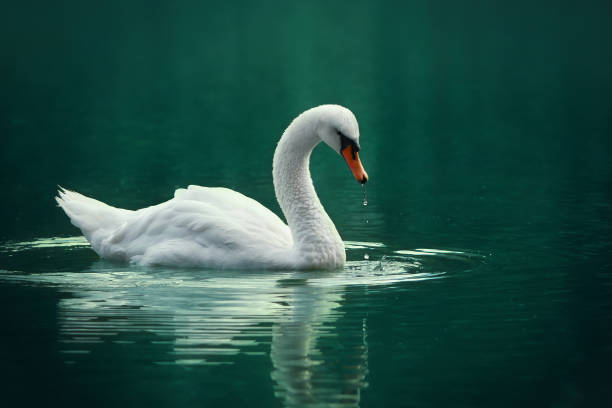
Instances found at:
x=192 y=318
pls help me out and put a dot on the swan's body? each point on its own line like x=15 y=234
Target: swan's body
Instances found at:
x=221 y=228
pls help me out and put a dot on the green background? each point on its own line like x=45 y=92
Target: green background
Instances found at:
x=486 y=127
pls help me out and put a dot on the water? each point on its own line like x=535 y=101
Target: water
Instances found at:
x=478 y=274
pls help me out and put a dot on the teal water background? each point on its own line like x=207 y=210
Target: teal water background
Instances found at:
x=486 y=131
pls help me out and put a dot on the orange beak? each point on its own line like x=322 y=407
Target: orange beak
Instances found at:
x=352 y=159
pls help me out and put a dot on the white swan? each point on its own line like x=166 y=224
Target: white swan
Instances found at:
x=221 y=228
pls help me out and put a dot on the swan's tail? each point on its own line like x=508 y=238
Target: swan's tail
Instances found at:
x=89 y=215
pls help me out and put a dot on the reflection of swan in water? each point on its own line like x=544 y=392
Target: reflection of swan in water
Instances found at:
x=208 y=320
x=299 y=363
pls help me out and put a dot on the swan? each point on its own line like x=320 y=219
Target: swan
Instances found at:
x=215 y=227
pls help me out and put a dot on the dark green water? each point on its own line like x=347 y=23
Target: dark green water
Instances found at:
x=486 y=131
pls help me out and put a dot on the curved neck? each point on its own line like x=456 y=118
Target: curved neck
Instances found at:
x=311 y=227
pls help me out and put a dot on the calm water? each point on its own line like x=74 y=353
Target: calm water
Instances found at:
x=479 y=273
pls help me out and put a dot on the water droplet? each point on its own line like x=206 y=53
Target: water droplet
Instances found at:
x=365 y=197
x=366 y=257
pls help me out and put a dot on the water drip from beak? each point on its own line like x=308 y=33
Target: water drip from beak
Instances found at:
x=365 y=197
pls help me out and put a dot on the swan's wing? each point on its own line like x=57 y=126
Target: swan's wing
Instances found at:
x=200 y=226
x=251 y=215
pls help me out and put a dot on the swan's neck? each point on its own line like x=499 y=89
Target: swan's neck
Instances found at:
x=316 y=240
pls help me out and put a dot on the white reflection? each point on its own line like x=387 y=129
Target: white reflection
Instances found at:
x=207 y=318
x=301 y=373
x=46 y=243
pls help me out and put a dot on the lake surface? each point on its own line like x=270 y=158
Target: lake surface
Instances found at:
x=479 y=273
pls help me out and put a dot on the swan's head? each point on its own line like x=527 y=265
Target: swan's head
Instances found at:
x=338 y=128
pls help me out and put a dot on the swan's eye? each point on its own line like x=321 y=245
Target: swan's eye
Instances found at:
x=345 y=142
